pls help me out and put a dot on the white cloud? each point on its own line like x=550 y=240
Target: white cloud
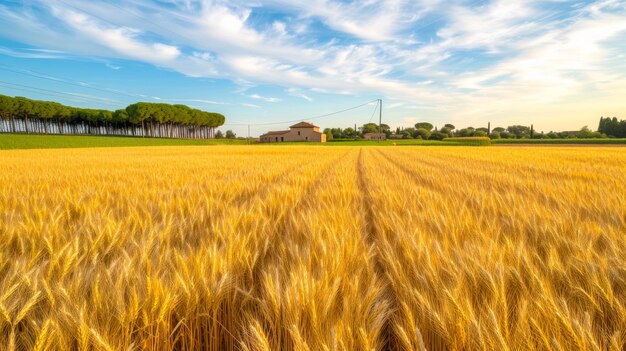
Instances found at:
x=121 y=39
x=298 y=93
x=34 y=54
x=259 y=97
x=368 y=20
x=113 y=67
x=561 y=65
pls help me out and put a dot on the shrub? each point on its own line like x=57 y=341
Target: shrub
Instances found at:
x=437 y=136
x=425 y=134
x=480 y=133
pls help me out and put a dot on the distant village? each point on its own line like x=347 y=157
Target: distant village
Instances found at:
x=308 y=132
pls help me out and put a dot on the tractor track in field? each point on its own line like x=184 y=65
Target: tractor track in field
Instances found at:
x=280 y=226
x=372 y=236
x=245 y=198
x=421 y=181
x=487 y=182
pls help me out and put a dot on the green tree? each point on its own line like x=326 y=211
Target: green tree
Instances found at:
x=586 y=133
x=422 y=133
x=480 y=133
x=329 y=135
x=552 y=135
x=8 y=109
x=24 y=108
x=437 y=135
x=155 y=119
x=519 y=131
x=337 y=133
x=612 y=127
x=120 y=118
x=424 y=125
x=465 y=132
x=494 y=135
x=349 y=133
x=447 y=131
x=408 y=133
x=219 y=135
x=230 y=134
x=618 y=128
x=369 y=128
x=386 y=129
x=506 y=135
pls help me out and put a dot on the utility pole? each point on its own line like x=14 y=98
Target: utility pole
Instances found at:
x=380 y=119
x=248 y=134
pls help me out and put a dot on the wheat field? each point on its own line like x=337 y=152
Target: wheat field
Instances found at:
x=313 y=248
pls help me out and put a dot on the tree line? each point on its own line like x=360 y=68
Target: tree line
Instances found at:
x=612 y=127
x=23 y=115
x=427 y=131
x=228 y=135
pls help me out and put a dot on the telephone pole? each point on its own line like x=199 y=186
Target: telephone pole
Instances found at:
x=380 y=119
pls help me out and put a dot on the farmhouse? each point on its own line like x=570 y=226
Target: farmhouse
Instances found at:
x=374 y=136
x=302 y=131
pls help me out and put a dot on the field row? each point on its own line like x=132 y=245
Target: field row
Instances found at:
x=313 y=248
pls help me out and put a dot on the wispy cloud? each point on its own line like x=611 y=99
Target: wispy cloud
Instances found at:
x=113 y=67
x=298 y=93
x=34 y=54
x=264 y=98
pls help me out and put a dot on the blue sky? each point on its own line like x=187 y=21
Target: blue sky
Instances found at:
x=557 y=64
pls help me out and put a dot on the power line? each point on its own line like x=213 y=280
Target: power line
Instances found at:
x=379 y=101
x=373 y=112
x=38 y=92
x=79 y=84
x=318 y=117
x=301 y=119
x=108 y=90
x=48 y=92
x=67 y=81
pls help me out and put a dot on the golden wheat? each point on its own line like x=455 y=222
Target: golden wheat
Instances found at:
x=313 y=248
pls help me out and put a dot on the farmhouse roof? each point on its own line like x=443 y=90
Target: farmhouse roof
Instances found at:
x=277 y=132
x=374 y=134
x=303 y=125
